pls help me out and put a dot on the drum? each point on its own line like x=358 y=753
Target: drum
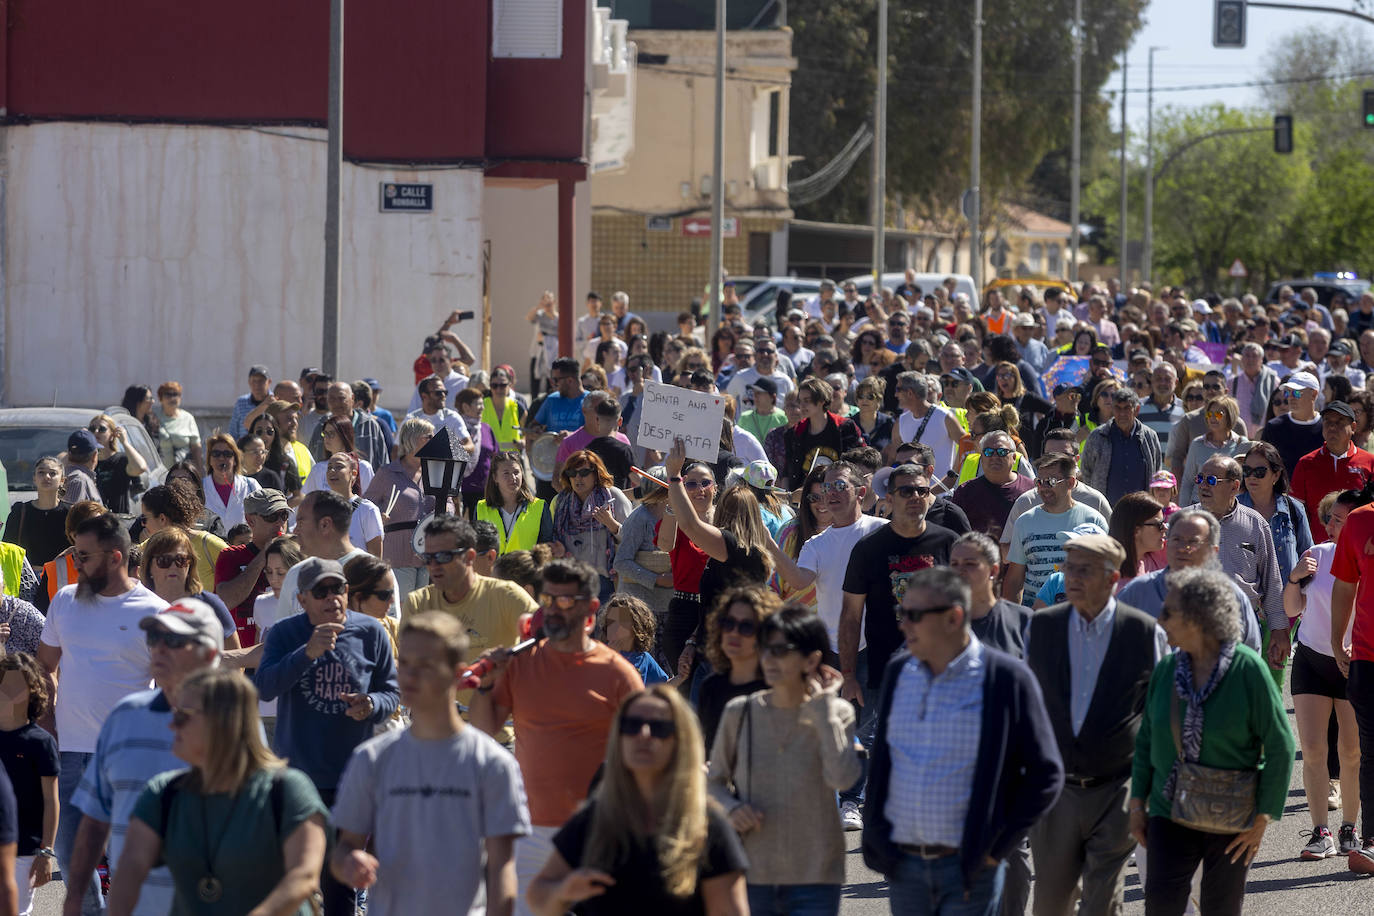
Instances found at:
x=543 y=455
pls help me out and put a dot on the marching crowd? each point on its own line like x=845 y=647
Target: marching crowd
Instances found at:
x=1010 y=586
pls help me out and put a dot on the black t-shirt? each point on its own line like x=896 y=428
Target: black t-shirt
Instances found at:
x=805 y=446
x=269 y=479
x=29 y=754
x=1004 y=627
x=879 y=566
x=114 y=483
x=715 y=692
x=946 y=514
x=1293 y=439
x=988 y=504
x=741 y=567
x=41 y=532
x=638 y=884
x=617 y=457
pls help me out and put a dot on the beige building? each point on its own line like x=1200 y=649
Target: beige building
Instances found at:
x=651 y=217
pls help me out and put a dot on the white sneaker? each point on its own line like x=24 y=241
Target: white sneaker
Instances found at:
x=850 y=816
x=1322 y=846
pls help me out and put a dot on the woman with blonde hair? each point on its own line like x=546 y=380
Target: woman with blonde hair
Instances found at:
x=1220 y=415
x=649 y=839
x=240 y=831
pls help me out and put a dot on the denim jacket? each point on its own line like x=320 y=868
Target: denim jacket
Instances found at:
x=1288 y=525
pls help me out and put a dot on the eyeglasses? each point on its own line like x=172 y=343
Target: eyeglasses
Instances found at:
x=906 y=491
x=1258 y=473
x=1193 y=397
x=265 y=432
x=914 y=614
x=633 y=727
x=996 y=452
x=1153 y=523
x=562 y=602
x=500 y=384
x=439 y=556
x=168 y=560
x=814 y=498
x=835 y=486
x=1049 y=481
x=1211 y=479
x=170 y=640
x=382 y=593
x=1006 y=375
x=691 y=486
x=779 y=649
x=742 y=627
x=579 y=472
x=321 y=592
x=769 y=352
x=97 y=430
x=1187 y=543
x=181 y=716
x=1215 y=415
x=220 y=453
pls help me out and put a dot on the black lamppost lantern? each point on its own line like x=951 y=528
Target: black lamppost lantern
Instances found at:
x=442 y=459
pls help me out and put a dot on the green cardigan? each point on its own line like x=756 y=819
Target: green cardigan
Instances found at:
x=1245 y=727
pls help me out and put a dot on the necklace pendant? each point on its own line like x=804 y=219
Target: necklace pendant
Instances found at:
x=209 y=889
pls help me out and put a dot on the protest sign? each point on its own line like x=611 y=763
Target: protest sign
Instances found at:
x=670 y=413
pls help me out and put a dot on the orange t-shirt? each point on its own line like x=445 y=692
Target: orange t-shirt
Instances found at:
x=562 y=703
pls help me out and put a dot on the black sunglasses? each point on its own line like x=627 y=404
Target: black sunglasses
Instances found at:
x=778 y=649
x=914 y=615
x=906 y=491
x=742 y=627
x=170 y=640
x=439 y=556
x=1257 y=473
x=220 y=453
x=633 y=726
x=580 y=472
x=383 y=593
x=320 y=592
x=168 y=560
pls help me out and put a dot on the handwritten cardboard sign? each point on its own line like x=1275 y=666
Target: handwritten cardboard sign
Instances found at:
x=669 y=413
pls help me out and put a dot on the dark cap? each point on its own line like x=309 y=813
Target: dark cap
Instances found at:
x=265 y=502
x=311 y=370
x=765 y=384
x=258 y=369
x=376 y=385
x=962 y=375
x=1065 y=388
x=1290 y=340
x=1340 y=407
x=82 y=441
x=1341 y=348
x=316 y=570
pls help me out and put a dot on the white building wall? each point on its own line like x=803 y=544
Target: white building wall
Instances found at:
x=140 y=253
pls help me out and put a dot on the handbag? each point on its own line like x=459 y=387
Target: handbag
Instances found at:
x=1210 y=799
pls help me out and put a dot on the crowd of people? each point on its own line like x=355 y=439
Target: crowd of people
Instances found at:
x=1012 y=587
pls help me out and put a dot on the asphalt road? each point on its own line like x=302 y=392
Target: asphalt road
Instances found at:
x=1280 y=883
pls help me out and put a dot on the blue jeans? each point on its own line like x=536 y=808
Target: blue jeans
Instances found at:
x=865 y=729
x=918 y=887
x=794 y=899
x=72 y=766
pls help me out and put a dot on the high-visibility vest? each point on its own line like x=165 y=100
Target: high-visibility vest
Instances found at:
x=60 y=572
x=506 y=427
x=12 y=563
x=524 y=535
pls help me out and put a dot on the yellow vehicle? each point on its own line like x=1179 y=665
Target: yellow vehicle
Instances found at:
x=1040 y=282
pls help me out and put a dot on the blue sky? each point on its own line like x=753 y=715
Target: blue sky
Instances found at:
x=1184 y=28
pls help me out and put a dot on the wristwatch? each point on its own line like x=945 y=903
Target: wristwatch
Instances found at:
x=47 y=852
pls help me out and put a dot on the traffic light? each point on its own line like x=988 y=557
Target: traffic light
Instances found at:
x=1283 y=133
x=1369 y=108
x=1228 y=24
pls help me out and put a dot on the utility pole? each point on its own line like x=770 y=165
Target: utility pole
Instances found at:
x=1124 y=233
x=329 y=350
x=1076 y=153
x=717 y=181
x=1147 y=260
x=880 y=155
x=975 y=166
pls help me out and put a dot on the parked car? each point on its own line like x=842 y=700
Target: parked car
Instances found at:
x=1327 y=285
x=759 y=295
x=30 y=433
x=926 y=281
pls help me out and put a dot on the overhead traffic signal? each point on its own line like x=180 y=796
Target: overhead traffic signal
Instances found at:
x=1228 y=24
x=1369 y=108
x=1283 y=133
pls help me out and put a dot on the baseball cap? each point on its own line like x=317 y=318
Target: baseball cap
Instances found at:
x=83 y=441
x=1102 y=545
x=311 y=370
x=1200 y=305
x=1290 y=340
x=1302 y=380
x=1163 y=479
x=1341 y=348
x=1340 y=407
x=376 y=385
x=1085 y=528
x=959 y=373
x=188 y=617
x=765 y=384
x=1023 y=320
x=258 y=369
x=265 y=502
x=1065 y=388
x=760 y=473
x=316 y=570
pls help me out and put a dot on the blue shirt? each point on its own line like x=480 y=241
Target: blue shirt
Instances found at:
x=242 y=408
x=559 y=414
x=313 y=730
x=1088 y=641
x=1128 y=473
x=1147 y=592
x=650 y=672
x=934 y=729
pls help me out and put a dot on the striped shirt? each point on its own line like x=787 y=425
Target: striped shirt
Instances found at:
x=135 y=744
x=934 y=729
x=1161 y=419
x=1248 y=557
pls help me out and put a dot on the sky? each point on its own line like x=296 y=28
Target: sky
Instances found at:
x=1184 y=29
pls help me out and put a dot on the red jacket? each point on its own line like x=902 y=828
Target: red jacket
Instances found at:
x=1319 y=473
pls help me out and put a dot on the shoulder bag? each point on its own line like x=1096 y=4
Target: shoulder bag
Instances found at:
x=1209 y=799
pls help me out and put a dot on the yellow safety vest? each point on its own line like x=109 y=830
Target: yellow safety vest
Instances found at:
x=12 y=562
x=507 y=427
x=524 y=535
x=974 y=461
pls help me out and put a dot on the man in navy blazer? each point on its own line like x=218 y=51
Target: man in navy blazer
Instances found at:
x=963 y=763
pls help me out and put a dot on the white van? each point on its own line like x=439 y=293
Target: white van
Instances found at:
x=927 y=282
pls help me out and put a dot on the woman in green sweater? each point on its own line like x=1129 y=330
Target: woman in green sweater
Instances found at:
x=1210 y=703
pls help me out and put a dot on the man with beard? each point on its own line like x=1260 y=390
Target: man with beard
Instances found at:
x=92 y=632
x=563 y=694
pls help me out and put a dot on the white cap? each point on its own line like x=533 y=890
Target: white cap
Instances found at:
x=1300 y=380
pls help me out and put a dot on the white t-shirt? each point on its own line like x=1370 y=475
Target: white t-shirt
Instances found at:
x=104 y=657
x=317 y=479
x=288 y=604
x=445 y=417
x=935 y=435
x=453 y=383
x=738 y=388
x=366 y=523
x=1315 y=632
x=827 y=555
x=419 y=799
x=265 y=608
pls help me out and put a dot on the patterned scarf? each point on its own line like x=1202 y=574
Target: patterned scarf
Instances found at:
x=1191 y=731
x=571 y=519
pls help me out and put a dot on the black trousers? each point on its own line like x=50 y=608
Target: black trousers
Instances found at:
x=1174 y=853
x=684 y=617
x=1360 y=691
